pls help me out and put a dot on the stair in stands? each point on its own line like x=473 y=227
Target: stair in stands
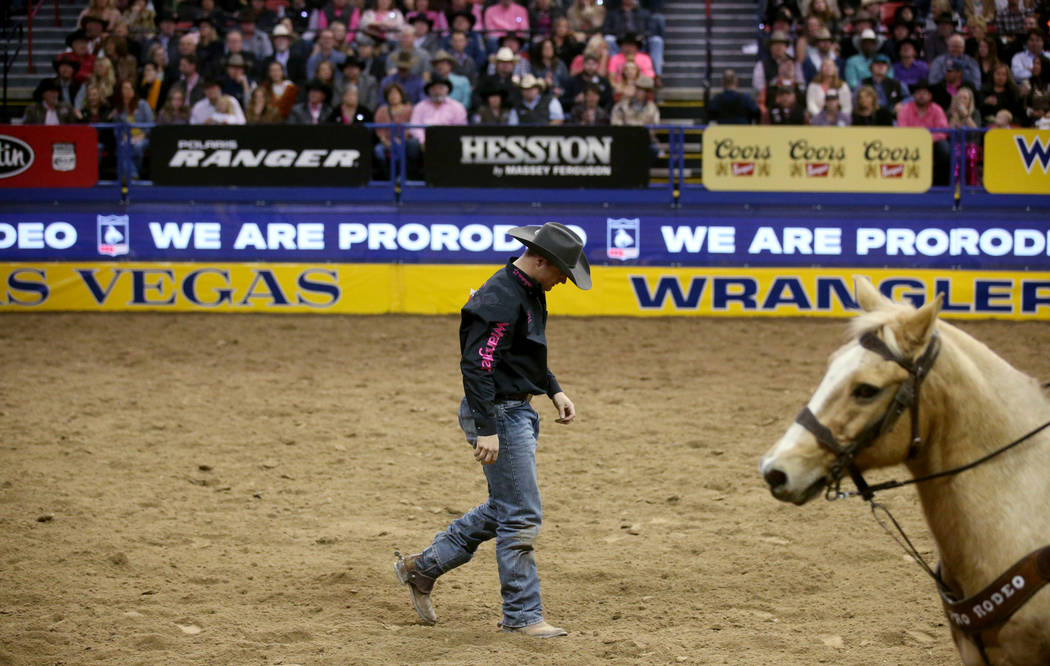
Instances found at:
x=48 y=42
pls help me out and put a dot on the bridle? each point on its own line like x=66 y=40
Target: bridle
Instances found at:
x=906 y=398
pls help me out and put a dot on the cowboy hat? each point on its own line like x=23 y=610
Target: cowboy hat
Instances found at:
x=66 y=58
x=506 y=55
x=561 y=246
x=79 y=33
x=779 y=36
x=235 y=60
x=530 y=81
x=318 y=84
x=442 y=56
x=645 y=82
x=281 y=30
x=437 y=80
x=404 y=59
x=416 y=18
x=630 y=38
x=465 y=14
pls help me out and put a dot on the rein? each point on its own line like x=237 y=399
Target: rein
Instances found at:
x=990 y=607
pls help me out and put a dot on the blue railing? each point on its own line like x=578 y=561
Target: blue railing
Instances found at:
x=673 y=190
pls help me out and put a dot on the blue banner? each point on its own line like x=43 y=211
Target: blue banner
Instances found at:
x=318 y=234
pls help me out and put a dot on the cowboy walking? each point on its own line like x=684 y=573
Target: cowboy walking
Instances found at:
x=504 y=364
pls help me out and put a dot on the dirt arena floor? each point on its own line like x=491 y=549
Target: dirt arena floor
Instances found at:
x=207 y=489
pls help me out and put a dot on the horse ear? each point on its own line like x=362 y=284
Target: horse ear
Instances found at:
x=868 y=297
x=919 y=327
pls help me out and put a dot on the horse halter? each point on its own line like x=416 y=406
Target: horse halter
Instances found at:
x=907 y=397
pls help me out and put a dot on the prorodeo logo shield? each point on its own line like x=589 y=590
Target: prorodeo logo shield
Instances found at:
x=15 y=156
x=113 y=235
x=623 y=237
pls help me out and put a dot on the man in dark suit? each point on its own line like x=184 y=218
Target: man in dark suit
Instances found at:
x=293 y=63
x=891 y=92
x=315 y=110
x=589 y=76
x=165 y=36
x=66 y=65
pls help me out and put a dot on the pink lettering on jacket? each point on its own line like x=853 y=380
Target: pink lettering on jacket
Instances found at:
x=489 y=350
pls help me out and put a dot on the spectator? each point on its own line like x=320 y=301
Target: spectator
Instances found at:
x=597 y=46
x=235 y=81
x=104 y=10
x=103 y=77
x=831 y=114
x=909 y=69
x=411 y=84
x=936 y=43
x=891 y=92
x=210 y=47
x=1022 y=64
x=823 y=50
x=372 y=64
x=731 y=107
x=95 y=108
x=825 y=10
x=407 y=44
x=493 y=109
x=94 y=31
x=546 y=66
x=324 y=51
x=350 y=112
x=367 y=86
x=49 y=110
x=628 y=76
x=438 y=20
x=503 y=76
x=630 y=47
x=265 y=19
x=65 y=66
x=786 y=108
x=513 y=43
x=590 y=111
x=190 y=81
x=850 y=44
x=78 y=45
x=987 y=56
x=826 y=81
x=206 y=10
x=122 y=31
x=187 y=47
x=999 y=93
x=281 y=92
x=141 y=20
x=1040 y=113
x=293 y=64
x=424 y=38
x=125 y=65
x=566 y=46
x=325 y=74
x=536 y=107
x=962 y=112
x=922 y=112
x=1011 y=17
x=254 y=42
x=165 y=36
x=128 y=108
x=383 y=20
x=442 y=63
x=858 y=66
x=504 y=16
x=944 y=91
x=768 y=66
x=900 y=33
x=215 y=108
x=586 y=18
x=635 y=22
x=542 y=16
x=473 y=43
x=316 y=109
x=589 y=76
x=867 y=112
x=175 y=110
x=159 y=57
x=1002 y=120
x=260 y=109
x=152 y=88
x=637 y=110
x=436 y=109
x=396 y=110
x=339 y=11
x=463 y=63
x=785 y=79
x=957 y=53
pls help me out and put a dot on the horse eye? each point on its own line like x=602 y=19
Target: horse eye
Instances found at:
x=865 y=391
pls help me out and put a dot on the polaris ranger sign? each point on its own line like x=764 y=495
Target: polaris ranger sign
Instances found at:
x=564 y=157
x=289 y=155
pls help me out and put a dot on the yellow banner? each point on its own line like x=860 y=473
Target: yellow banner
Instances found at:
x=1017 y=161
x=817 y=159
x=443 y=289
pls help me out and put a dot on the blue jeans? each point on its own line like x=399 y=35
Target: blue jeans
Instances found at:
x=512 y=515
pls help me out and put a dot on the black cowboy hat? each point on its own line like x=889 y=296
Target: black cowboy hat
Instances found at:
x=435 y=80
x=164 y=15
x=416 y=18
x=465 y=14
x=559 y=245
x=79 y=33
x=629 y=38
x=66 y=59
x=921 y=84
x=491 y=89
x=318 y=84
x=88 y=18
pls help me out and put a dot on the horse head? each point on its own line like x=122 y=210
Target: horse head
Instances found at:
x=851 y=422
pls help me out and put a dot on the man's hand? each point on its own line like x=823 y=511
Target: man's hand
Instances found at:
x=566 y=410
x=487 y=449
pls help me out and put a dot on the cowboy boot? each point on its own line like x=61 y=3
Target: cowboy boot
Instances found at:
x=540 y=629
x=419 y=586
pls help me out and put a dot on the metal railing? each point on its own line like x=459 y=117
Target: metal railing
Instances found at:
x=31 y=15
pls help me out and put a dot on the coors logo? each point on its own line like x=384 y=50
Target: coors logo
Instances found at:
x=15 y=156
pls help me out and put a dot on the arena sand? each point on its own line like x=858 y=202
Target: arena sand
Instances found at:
x=206 y=489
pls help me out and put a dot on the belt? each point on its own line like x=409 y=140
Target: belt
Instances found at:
x=508 y=397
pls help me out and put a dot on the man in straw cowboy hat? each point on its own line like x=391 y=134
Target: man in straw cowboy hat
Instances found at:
x=504 y=364
x=536 y=106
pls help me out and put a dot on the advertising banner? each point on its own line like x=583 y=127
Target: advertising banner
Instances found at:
x=817 y=159
x=291 y=155
x=48 y=156
x=562 y=157
x=435 y=289
x=965 y=239
x=1017 y=161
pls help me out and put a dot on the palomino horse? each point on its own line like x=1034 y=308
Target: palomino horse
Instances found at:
x=968 y=403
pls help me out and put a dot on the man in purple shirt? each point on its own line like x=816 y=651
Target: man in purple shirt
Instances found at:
x=411 y=83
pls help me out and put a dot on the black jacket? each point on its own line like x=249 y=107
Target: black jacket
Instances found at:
x=503 y=339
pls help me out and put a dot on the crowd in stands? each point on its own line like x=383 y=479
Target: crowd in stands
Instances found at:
x=909 y=63
x=449 y=62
